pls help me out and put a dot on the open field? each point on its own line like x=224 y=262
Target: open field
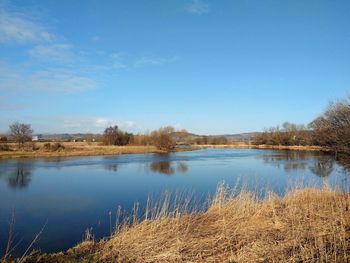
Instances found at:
x=79 y=149
x=307 y=225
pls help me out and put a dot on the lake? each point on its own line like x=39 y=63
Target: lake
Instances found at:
x=70 y=195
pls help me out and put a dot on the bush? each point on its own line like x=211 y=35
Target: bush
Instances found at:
x=29 y=146
x=53 y=147
x=114 y=136
x=47 y=146
x=4 y=147
x=163 y=138
x=57 y=147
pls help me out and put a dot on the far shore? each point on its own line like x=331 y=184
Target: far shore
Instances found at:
x=264 y=146
x=72 y=149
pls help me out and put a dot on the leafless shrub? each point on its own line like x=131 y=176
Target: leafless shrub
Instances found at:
x=114 y=136
x=53 y=147
x=163 y=138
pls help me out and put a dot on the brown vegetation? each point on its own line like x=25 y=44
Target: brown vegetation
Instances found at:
x=72 y=149
x=332 y=128
x=331 y=131
x=289 y=135
x=21 y=133
x=114 y=136
x=53 y=147
x=307 y=225
x=163 y=138
x=210 y=140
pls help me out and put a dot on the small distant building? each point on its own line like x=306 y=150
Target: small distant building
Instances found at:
x=36 y=138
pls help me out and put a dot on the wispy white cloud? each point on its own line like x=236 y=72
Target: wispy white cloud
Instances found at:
x=96 y=38
x=121 y=60
x=6 y=105
x=154 y=61
x=92 y=124
x=54 y=52
x=60 y=81
x=20 y=28
x=54 y=80
x=118 y=61
x=70 y=124
x=197 y=7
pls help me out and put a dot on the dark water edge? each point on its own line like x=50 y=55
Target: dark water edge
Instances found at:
x=73 y=194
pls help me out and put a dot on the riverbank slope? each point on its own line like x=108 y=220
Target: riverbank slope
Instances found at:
x=307 y=225
x=70 y=149
x=80 y=149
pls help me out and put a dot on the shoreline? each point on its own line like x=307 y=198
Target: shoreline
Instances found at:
x=81 y=149
x=264 y=146
x=93 y=149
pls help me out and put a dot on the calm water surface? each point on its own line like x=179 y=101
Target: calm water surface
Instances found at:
x=71 y=195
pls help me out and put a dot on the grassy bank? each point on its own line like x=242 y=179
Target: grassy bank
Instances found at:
x=95 y=149
x=80 y=149
x=308 y=225
x=264 y=146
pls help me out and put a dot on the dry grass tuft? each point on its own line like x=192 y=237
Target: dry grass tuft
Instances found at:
x=306 y=225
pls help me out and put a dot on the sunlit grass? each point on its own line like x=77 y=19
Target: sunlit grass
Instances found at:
x=82 y=149
x=306 y=225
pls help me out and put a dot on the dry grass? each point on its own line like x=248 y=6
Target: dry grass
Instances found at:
x=76 y=149
x=291 y=147
x=307 y=225
x=242 y=145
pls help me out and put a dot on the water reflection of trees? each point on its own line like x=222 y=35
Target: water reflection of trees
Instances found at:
x=344 y=160
x=288 y=160
x=168 y=168
x=111 y=163
x=164 y=164
x=162 y=167
x=289 y=156
x=112 y=167
x=18 y=176
x=321 y=165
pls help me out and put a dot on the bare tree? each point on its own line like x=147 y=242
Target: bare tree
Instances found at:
x=289 y=134
x=21 y=133
x=181 y=136
x=163 y=138
x=114 y=136
x=332 y=128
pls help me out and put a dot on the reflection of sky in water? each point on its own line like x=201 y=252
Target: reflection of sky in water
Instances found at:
x=74 y=194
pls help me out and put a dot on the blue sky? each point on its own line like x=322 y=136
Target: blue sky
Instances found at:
x=212 y=67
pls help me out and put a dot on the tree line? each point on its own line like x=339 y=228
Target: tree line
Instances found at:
x=164 y=138
x=331 y=130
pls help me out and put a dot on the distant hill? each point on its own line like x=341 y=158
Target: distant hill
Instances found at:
x=240 y=136
x=65 y=136
x=79 y=136
x=236 y=136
